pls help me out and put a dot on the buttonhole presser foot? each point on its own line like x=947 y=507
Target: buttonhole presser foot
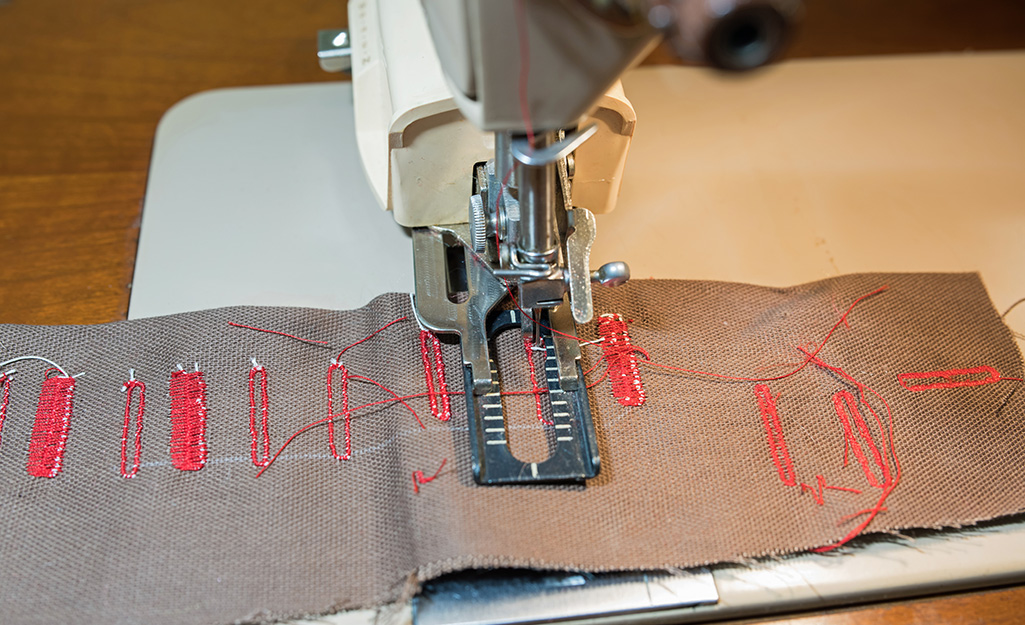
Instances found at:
x=445 y=303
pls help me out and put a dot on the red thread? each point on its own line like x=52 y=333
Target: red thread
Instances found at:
x=370 y=336
x=809 y=356
x=949 y=375
x=817 y=494
x=774 y=433
x=260 y=448
x=188 y=420
x=847 y=409
x=418 y=477
x=534 y=388
x=291 y=336
x=129 y=388
x=50 y=429
x=434 y=367
x=5 y=388
x=886 y=435
x=620 y=354
x=346 y=413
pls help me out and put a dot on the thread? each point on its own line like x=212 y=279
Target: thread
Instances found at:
x=847 y=410
x=50 y=429
x=774 y=434
x=5 y=389
x=886 y=436
x=434 y=369
x=188 y=420
x=260 y=440
x=535 y=389
x=969 y=378
x=129 y=388
x=809 y=356
x=291 y=336
x=418 y=477
x=627 y=387
x=346 y=414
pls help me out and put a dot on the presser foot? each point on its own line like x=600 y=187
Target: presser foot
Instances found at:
x=440 y=262
x=575 y=455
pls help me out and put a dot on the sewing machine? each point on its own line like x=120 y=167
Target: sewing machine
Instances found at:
x=497 y=148
x=304 y=139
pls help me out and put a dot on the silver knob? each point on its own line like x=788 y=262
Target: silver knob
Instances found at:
x=478 y=224
x=611 y=274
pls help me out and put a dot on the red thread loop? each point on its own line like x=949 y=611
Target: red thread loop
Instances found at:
x=261 y=457
x=418 y=477
x=5 y=388
x=130 y=387
x=346 y=413
x=434 y=367
x=534 y=388
x=622 y=358
x=948 y=378
x=188 y=420
x=846 y=406
x=774 y=433
x=50 y=429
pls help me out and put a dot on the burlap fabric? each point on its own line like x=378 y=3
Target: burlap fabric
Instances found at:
x=687 y=479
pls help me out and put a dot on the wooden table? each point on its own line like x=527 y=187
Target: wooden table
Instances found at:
x=83 y=85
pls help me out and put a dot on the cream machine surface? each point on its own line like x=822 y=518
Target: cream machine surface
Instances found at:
x=495 y=129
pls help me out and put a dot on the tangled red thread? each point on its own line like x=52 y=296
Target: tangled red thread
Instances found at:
x=434 y=367
x=50 y=429
x=130 y=387
x=260 y=448
x=418 y=477
x=188 y=420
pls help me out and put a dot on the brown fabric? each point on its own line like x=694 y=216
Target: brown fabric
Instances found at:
x=686 y=479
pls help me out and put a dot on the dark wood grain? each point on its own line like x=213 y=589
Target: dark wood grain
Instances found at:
x=83 y=85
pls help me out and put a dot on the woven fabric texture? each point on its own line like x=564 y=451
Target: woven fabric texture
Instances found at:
x=695 y=475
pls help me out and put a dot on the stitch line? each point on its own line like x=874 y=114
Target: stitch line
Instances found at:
x=346 y=413
x=847 y=409
x=130 y=387
x=260 y=441
x=5 y=388
x=434 y=366
x=774 y=433
x=50 y=429
x=948 y=376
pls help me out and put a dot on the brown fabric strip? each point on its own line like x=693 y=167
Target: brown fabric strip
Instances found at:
x=688 y=478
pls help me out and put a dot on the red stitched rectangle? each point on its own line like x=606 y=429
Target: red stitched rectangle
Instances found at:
x=949 y=378
x=620 y=354
x=50 y=429
x=774 y=434
x=188 y=420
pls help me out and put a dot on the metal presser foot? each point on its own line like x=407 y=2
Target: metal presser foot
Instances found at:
x=445 y=305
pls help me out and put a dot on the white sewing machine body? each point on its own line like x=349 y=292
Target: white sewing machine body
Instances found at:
x=783 y=192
